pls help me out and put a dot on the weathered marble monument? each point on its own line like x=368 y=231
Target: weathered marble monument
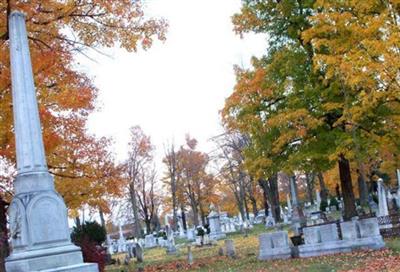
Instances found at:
x=215 y=226
x=274 y=245
x=40 y=237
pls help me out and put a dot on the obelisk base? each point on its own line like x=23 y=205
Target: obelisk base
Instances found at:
x=65 y=258
x=40 y=236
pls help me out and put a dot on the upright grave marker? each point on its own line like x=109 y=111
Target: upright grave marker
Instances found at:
x=40 y=237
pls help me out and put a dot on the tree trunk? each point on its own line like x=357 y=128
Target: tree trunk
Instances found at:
x=147 y=221
x=4 y=247
x=138 y=229
x=263 y=184
x=252 y=199
x=362 y=186
x=239 y=201
x=202 y=214
x=246 y=208
x=195 y=212
x=273 y=194
x=347 y=188
x=310 y=188
x=324 y=191
x=78 y=222
x=254 y=205
x=102 y=221
x=183 y=216
x=174 y=204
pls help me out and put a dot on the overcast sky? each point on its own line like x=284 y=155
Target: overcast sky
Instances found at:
x=178 y=86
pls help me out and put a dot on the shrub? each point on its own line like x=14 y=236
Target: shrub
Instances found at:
x=162 y=234
x=207 y=227
x=91 y=230
x=89 y=238
x=323 y=206
x=93 y=253
x=200 y=231
x=334 y=202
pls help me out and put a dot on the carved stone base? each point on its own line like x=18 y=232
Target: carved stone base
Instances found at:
x=67 y=258
x=40 y=236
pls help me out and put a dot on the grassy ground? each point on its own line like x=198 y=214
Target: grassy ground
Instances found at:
x=207 y=259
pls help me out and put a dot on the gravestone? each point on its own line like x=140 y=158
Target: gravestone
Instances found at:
x=318 y=200
x=40 y=237
x=289 y=204
x=270 y=221
x=190 y=234
x=181 y=230
x=131 y=249
x=322 y=240
x=274 y=245
x=139 y=253
x=298 y=219
x=149 y=241
x=362 y=234
x=121 y=241
x=382 y=205
x=215 y=226
x=110 y=248
x=230 y=248
x=171 y=248
x=190 y=255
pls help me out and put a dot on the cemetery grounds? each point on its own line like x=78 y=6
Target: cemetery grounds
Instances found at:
x=207 y=258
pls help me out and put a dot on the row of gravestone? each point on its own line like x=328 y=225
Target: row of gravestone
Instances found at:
x=322 y=240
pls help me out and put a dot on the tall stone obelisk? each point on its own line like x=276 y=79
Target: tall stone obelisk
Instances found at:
x=40 y=237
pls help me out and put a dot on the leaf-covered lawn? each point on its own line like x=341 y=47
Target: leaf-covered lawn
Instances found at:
x=207 y=259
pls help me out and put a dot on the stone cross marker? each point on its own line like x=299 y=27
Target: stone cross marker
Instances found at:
x=40 y=237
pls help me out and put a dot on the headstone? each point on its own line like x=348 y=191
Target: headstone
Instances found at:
x=289 y=204
x=230 y=248
x=121 y=241
x=171 y=248
x=362 y=234
x=190 y=234
x=298 y=218
x=285 y=219
x=322 y=240
x=131 y=249
x=40 y=237
x=139 y=253
x=127 y=259
x=383 y=208
x=274 y=245
x=215 y=226
x=398 y=179
x=270 y=221
x=318 y=201
x=149 y=241
x=190 y=255
x=110 y=249
x=181 y=230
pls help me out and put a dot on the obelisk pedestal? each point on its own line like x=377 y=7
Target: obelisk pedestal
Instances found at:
x=40 y=238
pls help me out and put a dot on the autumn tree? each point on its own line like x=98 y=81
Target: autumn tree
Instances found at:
x=57 y=31
x=230 y=157
x=196 y=187
x=171 y=179
x=148 y=199
x=317 y=97
x=139 y=157
x=357 y=52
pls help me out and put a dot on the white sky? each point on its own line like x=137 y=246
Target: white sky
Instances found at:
x=176 y=87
